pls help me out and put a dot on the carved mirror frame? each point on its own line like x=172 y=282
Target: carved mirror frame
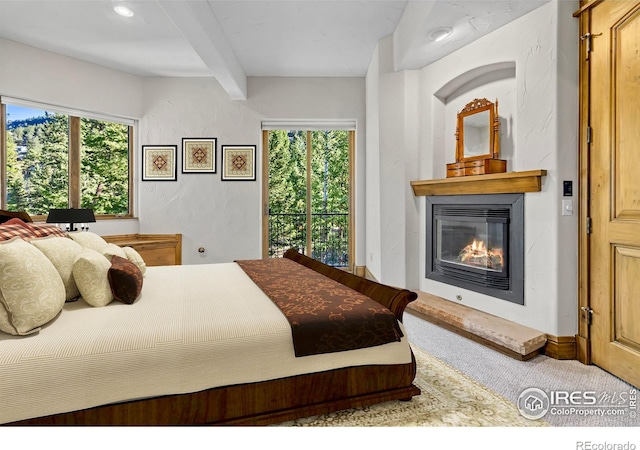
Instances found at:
x=478 y=106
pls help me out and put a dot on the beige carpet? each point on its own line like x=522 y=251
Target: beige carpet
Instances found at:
x=449 y=398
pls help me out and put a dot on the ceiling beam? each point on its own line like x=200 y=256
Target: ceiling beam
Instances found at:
x=200 y=27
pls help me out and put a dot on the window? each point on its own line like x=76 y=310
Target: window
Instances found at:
x=104 y=166
x=308 y=193
x=65 y=159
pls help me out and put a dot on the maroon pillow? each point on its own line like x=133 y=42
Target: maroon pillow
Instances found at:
x=125 y=280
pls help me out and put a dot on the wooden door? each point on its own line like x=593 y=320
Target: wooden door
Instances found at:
x=614 y=186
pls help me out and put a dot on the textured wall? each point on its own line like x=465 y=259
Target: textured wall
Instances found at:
x=224 y=217
x=33 y=74
x=530 y=65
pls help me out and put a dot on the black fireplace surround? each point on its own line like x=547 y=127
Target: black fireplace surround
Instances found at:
x=476 y=242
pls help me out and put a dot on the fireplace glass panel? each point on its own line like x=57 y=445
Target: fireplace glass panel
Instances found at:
x=472 y=244
x=476 y=242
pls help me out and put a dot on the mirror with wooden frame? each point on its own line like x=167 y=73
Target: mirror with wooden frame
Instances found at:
x=477 y=132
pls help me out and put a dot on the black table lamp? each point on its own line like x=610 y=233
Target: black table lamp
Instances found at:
x=71 y=216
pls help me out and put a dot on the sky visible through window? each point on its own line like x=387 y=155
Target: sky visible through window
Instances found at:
x=22 y=112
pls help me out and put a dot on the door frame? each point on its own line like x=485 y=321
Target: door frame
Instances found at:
x=352 y=195
x=583 y=341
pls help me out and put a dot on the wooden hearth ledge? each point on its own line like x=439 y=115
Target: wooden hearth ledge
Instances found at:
x=496 y=183
x=512 y=339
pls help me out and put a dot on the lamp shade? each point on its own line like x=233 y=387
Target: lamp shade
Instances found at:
x=70 y=216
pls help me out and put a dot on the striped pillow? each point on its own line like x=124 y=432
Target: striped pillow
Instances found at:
x=46 y=229
x=14 y=230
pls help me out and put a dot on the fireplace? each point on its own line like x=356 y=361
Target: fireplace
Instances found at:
x=477 y=242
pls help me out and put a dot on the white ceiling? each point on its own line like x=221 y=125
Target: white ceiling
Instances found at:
x=231 y=40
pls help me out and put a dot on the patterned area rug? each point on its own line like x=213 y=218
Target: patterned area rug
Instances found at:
x=449 y=399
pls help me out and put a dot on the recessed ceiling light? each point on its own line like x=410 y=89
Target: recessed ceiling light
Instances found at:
x=440 y=33
x=123 y=11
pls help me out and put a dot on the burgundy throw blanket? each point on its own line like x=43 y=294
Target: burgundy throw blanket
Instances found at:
x=325 y=316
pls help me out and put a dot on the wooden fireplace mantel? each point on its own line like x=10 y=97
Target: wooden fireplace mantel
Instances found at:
x=497 y=183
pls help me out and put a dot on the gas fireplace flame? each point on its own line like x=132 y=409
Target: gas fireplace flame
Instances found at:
x=477 y=254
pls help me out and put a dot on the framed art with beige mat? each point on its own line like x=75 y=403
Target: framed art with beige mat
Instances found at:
x=238 y=162
x=159 y=163
x=199 y=155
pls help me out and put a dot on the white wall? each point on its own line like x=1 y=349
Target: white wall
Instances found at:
x=32 y=74
x=533 y=74
x=223 y=217
x=406 y=141
x=392 y=148
x=372 y=183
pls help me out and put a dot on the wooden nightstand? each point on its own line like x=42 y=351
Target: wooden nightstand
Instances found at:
x=155 y=249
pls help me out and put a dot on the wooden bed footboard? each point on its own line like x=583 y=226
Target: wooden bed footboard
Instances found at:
x=273 y=401
x=396 y=300
x=263 y=403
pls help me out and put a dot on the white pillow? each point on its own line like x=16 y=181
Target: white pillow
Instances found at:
x=89 y=240
x=62 y=252
x=31 y=290
x=113 y=249
x=90 y=271
x=134 y=257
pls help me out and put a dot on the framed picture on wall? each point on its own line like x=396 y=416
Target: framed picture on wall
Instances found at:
x=199 y=155
x=159 y=163
x=238 y=162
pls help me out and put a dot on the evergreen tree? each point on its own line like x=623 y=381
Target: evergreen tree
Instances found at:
x=287 y=190
x=15 y=187
x=45 y=167
x=104 y=172
x=38 y=178
x=329 y=193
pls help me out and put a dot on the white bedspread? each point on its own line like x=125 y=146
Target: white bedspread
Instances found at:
x=194 y=327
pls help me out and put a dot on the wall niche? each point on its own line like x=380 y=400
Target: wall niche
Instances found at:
x=493 y=81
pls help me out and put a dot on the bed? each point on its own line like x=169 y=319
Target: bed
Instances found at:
x=200 y=344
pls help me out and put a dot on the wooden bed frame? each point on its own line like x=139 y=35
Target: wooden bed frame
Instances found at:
x=272 y=401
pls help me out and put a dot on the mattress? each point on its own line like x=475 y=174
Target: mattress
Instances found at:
x=194 y=327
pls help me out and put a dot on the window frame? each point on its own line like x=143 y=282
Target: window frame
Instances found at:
x=74 y=153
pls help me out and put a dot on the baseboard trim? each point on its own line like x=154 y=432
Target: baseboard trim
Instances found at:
x=561 y=347
x=369 y=276
x=583 y=353
x=362 y=271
